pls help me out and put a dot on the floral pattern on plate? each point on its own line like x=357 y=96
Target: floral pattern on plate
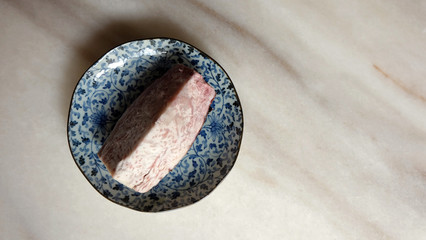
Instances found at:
x=113 y=82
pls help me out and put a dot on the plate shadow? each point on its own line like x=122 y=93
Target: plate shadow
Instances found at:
x=113 y=34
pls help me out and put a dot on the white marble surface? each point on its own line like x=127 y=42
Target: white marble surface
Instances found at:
x=334 y=102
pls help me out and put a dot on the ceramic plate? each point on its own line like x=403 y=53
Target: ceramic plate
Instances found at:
x=113 y=82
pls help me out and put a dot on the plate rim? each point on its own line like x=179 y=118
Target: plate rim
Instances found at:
x=147 y=39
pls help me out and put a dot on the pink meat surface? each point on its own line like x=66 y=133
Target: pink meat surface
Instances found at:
x=157 y=129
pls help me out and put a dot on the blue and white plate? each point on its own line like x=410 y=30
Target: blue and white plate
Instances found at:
x=113 y=82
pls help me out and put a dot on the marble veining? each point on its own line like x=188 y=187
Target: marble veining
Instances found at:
x=334 y=118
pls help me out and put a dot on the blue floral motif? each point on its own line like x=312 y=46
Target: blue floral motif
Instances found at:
x=112 y=83
x=216 y=127
x=99 y=119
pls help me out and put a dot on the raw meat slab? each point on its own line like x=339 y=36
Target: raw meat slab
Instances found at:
x=157 y=129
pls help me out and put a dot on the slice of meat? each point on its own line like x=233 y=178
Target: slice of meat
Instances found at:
x=157 y=129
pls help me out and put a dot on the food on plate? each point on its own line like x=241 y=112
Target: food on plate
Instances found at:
x=157 y=129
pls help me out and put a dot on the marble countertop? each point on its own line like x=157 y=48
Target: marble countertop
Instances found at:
x=334 y=102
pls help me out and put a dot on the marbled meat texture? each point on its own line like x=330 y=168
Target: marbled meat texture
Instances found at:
x=157 y=129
